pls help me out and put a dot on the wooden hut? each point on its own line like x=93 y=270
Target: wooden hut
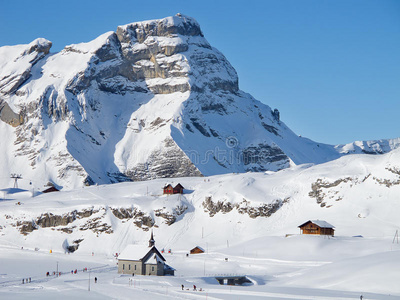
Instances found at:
x=168 y=189
x=178 y=189
x=197 y=250
x=51 y=189
x=317 y=227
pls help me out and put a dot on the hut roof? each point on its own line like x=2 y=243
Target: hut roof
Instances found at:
x=138 y=252
x=153 y=259
x=51 y=189
x=320 y=223
x=198 y=247
x=134 y=252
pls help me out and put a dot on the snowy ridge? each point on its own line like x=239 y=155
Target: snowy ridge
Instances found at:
x=369 y=147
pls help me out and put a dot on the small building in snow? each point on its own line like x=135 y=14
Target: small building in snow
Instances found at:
x=197 y=250
x=143 y=260
x=169 y=190
x=317 y=227
x=178 y=189
x=51 y=189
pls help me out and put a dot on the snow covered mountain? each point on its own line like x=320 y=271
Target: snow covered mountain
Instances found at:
x=153 y=99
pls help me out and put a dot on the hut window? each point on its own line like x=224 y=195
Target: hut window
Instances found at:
x=123 y=266
x=129 y=267
x=152 y=268
x=135 y=267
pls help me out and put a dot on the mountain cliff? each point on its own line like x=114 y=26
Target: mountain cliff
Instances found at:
x=153 y=99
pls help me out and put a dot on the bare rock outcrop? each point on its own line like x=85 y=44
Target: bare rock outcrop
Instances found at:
x=243 y=207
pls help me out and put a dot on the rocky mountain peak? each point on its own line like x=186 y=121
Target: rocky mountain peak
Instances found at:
x=153 y=99
x=167 y=27
x=39 y=45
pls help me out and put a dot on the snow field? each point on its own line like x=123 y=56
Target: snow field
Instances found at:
x=362 y=258
x=300 y=272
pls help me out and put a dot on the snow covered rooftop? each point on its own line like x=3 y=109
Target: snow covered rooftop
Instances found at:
x=134 y=252
x=153 y=259
x=138 y=252
x=202 y=249
x=320 y=223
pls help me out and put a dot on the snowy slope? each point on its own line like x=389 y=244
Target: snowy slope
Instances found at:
x=357 y=194
x=153 y=99
x=243 y=218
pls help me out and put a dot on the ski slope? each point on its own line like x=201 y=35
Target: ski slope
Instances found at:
x=357 y=194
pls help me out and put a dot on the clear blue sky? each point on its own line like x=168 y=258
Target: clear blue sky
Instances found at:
x=332 y=68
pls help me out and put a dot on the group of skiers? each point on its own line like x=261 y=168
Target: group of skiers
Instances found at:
x=54 y=273
x=194 y=288
x=27 y=280
x=76 y=271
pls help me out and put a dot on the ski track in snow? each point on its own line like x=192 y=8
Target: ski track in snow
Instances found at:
x=187 y=219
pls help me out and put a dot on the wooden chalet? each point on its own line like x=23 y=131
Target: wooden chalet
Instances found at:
x=197 y=250
x=169 y=190
x=317 y=227
x=50 y=190
x=178 y=189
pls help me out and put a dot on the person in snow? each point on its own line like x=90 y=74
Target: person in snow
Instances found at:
x=194 y=288
x=183 y=287
x=95 y=280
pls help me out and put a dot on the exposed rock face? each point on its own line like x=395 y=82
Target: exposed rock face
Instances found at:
x=8 y=116
x=171 y=161
x=26 y=227
x=256 y=157
x=50 y=220
x=244 y=207
x=170 y=218
x=325 y=191
x=160 y=49
x=96 y=221
x=318 y=187
x=387 y=182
